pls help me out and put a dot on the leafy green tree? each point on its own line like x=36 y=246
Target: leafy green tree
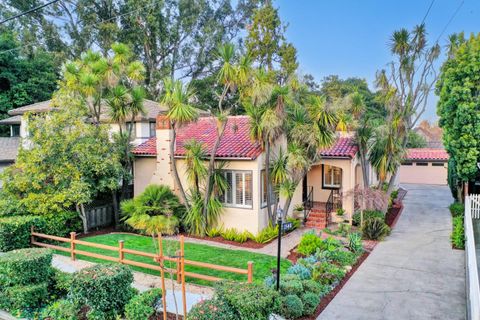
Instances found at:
x=459 y=108
x=266 y=43
x=24 y=78
x=66 y=163
x=107 y=86
x=405 y=87
x=416 y=140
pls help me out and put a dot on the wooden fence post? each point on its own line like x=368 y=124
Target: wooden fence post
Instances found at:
x=162 y=274
x=179 y=270
x=32 y=238
x=182 y=259
x=72 y=245
x=250 y=272
x=121 y=254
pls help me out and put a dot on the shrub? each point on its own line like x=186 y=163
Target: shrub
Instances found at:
x=249 y=301
x=310 y=302
x=375 y=229
x=367 y=214
x=291 y=287
x=61 y=310
x=233 y=234
x=24 y=296
x=355 y=242
x=394 y=195
x=214 y=232
x=62 y=223
x=327 y=273
x=15 y=231
x=103 y=287
x=142 y=306
x=296 y=223
x=302 y=271
x=25 y=266
x=212 y=309
x=60 y=283
x=457 y=209
x=315 y=287
x=341 y=257
x=309 y=243
x=458 y=233
x=292 y=307
x=267 y=234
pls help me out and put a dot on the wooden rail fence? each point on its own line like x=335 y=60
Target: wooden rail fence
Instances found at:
x=179 y=260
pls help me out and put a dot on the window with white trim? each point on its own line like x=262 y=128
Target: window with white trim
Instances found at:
x=263 y=189
x=332 y=176
x=239 y=191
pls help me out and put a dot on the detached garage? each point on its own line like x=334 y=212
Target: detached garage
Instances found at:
x=424 y=166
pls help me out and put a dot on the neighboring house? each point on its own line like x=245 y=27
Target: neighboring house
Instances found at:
x=8 y=152
x=431 y=133
x=424 y=166
x=330 y=181
x=144 y=125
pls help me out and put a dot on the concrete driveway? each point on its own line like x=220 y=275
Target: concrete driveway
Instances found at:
x=414 y=273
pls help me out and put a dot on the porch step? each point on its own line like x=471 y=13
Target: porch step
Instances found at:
x=317 y=219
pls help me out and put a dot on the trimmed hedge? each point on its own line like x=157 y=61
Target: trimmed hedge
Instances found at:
x=142 y=306
x=104 y=288
x=15 y=231
x=25 y=267
x=212 y=309
x=249 y=301
x=457 y=209
x=24 y=297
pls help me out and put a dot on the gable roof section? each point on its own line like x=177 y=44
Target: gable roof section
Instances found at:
x=235 y=143
x=426 y=154
x=9 y=147
x=344 y=147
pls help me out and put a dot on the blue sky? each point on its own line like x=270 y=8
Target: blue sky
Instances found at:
x=350 y=38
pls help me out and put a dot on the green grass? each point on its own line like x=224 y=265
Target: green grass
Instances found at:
x=262 y=264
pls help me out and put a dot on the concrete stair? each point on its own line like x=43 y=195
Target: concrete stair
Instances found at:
x=317 y=219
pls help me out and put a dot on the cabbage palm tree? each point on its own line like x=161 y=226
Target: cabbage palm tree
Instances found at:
x=177 y=97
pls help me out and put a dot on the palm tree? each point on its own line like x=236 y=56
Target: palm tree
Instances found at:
x=156 y=210
x=177 y=98
x=230 y=76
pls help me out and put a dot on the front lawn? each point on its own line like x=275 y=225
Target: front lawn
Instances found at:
x=262 y=264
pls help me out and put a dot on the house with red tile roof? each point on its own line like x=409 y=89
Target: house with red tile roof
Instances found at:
x=424 y=166
x=337 y=172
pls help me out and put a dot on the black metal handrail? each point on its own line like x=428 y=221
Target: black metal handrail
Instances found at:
x=308 y=203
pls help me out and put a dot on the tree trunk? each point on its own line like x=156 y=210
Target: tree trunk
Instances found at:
x=173 y=164
x=116 y=213
x=211 y=168
x=269 y=184
x=364 y=164
x=81 y=213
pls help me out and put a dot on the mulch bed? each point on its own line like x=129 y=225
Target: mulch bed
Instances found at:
x=329 y=297
x=170 y=316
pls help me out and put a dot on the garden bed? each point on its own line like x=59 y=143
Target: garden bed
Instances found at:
x=329 y=297
x=247 y=244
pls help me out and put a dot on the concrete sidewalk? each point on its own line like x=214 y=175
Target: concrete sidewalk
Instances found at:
x=414 y=273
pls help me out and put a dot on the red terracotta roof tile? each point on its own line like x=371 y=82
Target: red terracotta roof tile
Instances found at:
x=235 y=143
x=343 y=147
x=426 y=154
x=148 y=147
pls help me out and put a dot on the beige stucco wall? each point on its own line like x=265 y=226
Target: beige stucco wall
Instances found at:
x=143 y=169
x=423 y=174
x=314 y=178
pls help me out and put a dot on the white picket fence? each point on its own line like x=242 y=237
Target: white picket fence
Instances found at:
x=472 y=212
